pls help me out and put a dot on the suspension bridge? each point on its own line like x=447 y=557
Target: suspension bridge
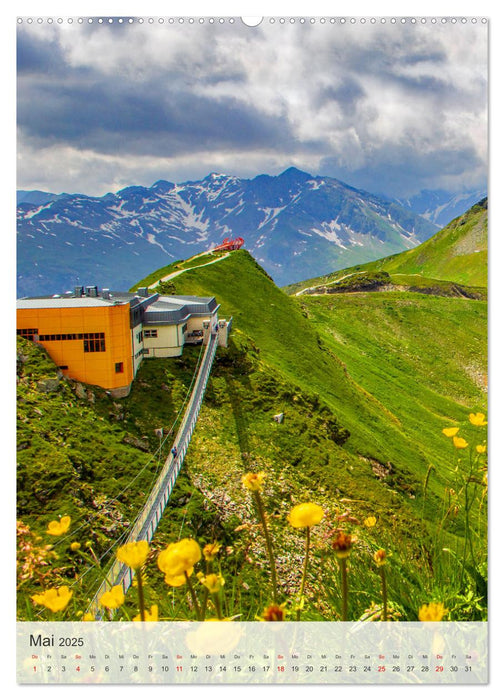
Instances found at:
x=148 y=518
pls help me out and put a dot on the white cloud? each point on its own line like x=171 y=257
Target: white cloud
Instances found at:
x=346 y=93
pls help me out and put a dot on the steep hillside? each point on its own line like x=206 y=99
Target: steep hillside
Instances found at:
x=457 y=253
x=290 y=342
x=365 y=390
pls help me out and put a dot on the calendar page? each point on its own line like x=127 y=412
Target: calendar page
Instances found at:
x=252 y=404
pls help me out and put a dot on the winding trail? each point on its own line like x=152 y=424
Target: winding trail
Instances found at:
x=179 y=272
x=350 y=274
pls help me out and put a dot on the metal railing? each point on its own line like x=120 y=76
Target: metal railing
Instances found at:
x=148 y=519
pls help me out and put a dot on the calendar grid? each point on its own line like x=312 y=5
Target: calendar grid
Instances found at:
x=234 y=652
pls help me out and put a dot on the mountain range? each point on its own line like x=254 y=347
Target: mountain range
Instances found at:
x=296 y=225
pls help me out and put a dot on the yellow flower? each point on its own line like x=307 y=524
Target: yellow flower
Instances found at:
x=75 y=546
x=113 y=599
x=380 y=557
x=88 y=617
x=59 y=527
x=252 y=481
x=178 y=560
x=478 y=419
x=450 y=432
x=177 y=581
x=151 y=616
x=213 y=582
x=342 y=544
x=210 y=551
x=305 y=515
x=433 y=612
x=481 y=449
x=370 y=521
x=460 y=443
x=55 y=599
x=133 y=554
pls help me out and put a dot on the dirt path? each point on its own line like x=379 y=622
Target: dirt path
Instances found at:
x=324 y=284
x=179 y=272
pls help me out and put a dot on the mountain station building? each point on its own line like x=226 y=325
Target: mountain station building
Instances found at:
x=101 y=338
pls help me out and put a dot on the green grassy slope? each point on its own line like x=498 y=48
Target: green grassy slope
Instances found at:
x=457 y=253
x=307 y=355
x=393 y=369
x=366 y=383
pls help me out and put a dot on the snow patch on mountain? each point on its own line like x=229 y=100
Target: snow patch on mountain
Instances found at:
x=330 y=231
x=271 y=213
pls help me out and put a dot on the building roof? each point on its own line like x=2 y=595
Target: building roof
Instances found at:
x=172 y=309
x=63 y=302
x=151 y=307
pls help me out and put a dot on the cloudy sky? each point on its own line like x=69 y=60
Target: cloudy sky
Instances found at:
x=391 y=108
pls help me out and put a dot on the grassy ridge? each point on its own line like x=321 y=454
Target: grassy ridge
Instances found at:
x=457 y=253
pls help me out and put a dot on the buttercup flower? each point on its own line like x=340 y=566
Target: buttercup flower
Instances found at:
x=210 y=551
x=342 y=544
x=59 y=527
x=55 y=599
x=305 y=515
x=380 y=557
x=460 y=443
x=112 y=599
x=481 y=449
x=178 y=560
x=370 y=521
x=133 y=554
x=151 y=616
x=273 y=613
x=213 y=582
x=75 y=546
x=252 y=481
x=478 y=419
x=88 y=617
x=177 y=581
x=433 y=612
x=450 y=432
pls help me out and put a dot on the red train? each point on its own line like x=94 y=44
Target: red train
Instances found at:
x=228 y=244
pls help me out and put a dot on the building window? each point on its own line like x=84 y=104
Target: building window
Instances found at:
x=119 y=367
x=93 y=342
x=150 y=333
x=140 y=337
x=28 y=333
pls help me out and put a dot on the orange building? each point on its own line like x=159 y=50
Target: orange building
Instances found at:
x=98 y=339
